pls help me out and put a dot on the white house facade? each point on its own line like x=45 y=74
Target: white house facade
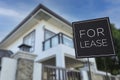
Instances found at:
x=49 y=36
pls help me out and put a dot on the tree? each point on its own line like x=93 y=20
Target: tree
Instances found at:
x=112 y=63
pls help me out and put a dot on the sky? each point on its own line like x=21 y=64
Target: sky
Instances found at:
x=12 y=12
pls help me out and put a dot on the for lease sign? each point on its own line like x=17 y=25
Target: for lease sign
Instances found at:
x=93 y=38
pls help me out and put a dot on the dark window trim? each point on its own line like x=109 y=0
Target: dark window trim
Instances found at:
x=34 y=39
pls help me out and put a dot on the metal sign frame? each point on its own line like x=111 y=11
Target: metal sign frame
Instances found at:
x=75 y=39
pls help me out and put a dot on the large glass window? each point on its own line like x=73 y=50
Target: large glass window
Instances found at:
x=59 y=38
x=67 y=41
x=49 y=43
x=54 y=41
x=48 y=34
x=30 y=40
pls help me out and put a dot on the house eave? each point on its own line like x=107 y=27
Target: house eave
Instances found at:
x=40 y=6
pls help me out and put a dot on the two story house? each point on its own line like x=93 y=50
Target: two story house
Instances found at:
x=49 y=36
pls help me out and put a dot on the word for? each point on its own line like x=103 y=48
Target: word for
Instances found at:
x=92 y=32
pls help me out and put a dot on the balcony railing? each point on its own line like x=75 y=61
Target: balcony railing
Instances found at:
x=59 y=38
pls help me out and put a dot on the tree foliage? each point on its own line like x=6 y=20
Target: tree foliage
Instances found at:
x=112 y=63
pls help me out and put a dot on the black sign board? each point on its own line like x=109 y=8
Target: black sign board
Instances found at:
x=92 y=38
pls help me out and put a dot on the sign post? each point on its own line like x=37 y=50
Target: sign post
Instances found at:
x=93 y=38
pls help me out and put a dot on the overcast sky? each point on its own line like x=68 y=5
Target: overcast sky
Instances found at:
x=12 y=12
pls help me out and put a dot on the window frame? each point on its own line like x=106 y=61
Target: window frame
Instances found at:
x=34 y=31
x=48 y=31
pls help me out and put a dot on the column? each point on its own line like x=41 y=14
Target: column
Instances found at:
x=8 y=69
x=60 y=60
x=25 y=65
x=84 y=75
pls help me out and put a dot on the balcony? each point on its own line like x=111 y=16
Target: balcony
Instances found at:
x=57 y=39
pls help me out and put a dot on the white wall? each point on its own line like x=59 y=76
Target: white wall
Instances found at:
x=14 y=46
x=8 y=71
x=84 y=75
x=37 y=71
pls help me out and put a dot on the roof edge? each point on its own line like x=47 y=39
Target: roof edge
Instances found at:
x=40 y=6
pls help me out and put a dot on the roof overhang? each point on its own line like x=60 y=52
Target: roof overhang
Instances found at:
x=39 y=13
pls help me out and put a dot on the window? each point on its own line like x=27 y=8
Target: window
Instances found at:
x=48 y=34
x=67 y=41
x=30 y=40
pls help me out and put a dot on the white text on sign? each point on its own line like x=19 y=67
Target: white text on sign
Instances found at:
x=91 y=33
